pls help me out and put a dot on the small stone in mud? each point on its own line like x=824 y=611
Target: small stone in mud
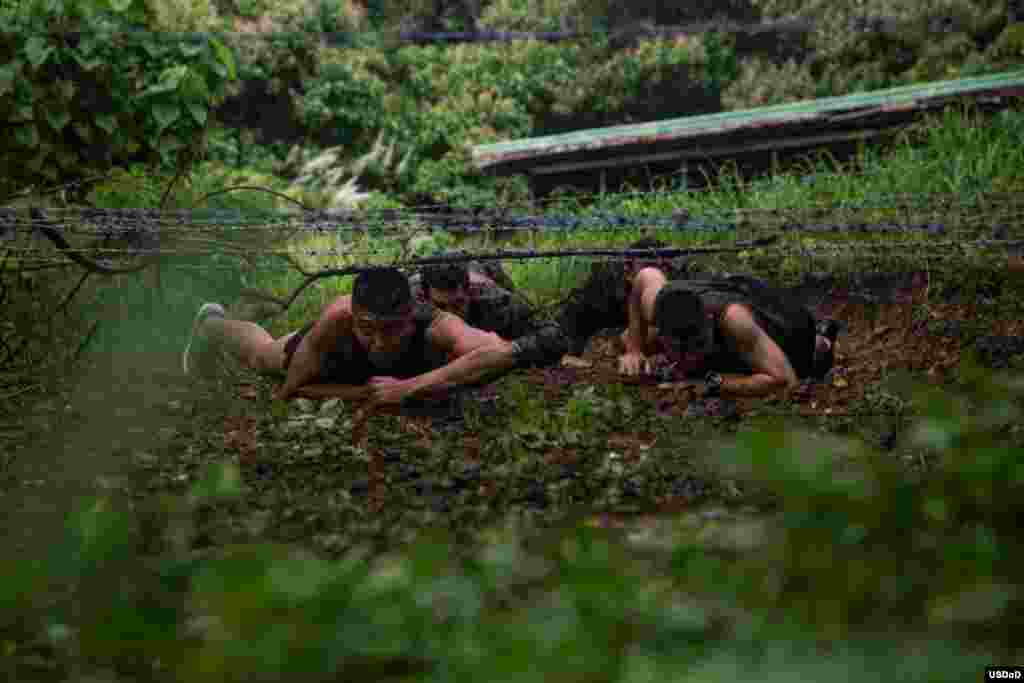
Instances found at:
x=325 y=422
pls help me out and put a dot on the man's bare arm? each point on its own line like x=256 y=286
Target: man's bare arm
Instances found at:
x=772 y=369
x=346 y=392
x=473 y=367
x=637 y=340
x=476 y=354
x=307 y=360
x=636 y=337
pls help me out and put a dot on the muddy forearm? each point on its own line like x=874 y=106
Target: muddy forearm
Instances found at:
x=634 y=338
x=346 y=392
x=753 y=386
x=467 y=369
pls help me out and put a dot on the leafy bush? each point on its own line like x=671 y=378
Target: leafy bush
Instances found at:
x=79 y=105
x=852 y=555
x=880 y=43
x=761 y=82
x=344 y=102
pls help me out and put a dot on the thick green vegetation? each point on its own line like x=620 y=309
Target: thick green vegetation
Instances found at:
x=80 y=92
x=836 y=560
x=581 y=529
x=514 y=549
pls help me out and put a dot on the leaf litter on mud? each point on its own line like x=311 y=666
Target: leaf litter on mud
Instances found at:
x=543 y=445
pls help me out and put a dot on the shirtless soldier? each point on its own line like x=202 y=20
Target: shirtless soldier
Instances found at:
x=377 y=345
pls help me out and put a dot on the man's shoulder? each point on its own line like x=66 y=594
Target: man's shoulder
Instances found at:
x=739 y=319
x=339 y=309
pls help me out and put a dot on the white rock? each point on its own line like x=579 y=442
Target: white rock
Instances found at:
x=330 y=406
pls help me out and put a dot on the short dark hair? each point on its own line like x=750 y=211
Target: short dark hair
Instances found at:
x=446 y=276
x=382 y=291
x=678 y=312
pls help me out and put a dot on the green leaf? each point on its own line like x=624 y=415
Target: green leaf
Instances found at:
x=26 y=136
x=24 y=112
x=166 y=114
x=194 y=87
x=137 y=14
x=159 y=88
x=58 y=119
x=219 y=482
x=190 y=49
x=8 y=74
x=89 y=64
x=120 y=6
x=225 y=58
x=107 y=122
x=86 y=46
x=197 y=112
x=37 y=51
x=174 y=75
x=66 y=88
x=171 y=143
x=153 y=50
x=98 y=531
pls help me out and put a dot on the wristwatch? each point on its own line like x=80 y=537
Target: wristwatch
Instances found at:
x=712 y=385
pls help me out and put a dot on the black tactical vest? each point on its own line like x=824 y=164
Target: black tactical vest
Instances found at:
x=348 y=362
x=788 y=323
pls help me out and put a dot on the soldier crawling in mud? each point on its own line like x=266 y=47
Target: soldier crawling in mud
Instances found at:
x=377 y=345
x=736 y=325
x=482 y=295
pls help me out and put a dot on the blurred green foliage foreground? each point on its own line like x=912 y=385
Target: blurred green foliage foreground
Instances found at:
x=847 y=567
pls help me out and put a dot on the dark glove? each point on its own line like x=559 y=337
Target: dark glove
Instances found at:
x=544 y=347
x=712 y=385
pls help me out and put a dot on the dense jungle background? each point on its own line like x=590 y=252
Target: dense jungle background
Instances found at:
x=558 y=525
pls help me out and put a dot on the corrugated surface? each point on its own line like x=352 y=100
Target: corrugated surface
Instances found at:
x=835 y=113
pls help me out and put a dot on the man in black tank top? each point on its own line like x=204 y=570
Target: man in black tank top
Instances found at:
x=376 y=345
x=736 y=325
x=473 y=295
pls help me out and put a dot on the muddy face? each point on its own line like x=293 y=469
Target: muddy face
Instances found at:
x=385 y=340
